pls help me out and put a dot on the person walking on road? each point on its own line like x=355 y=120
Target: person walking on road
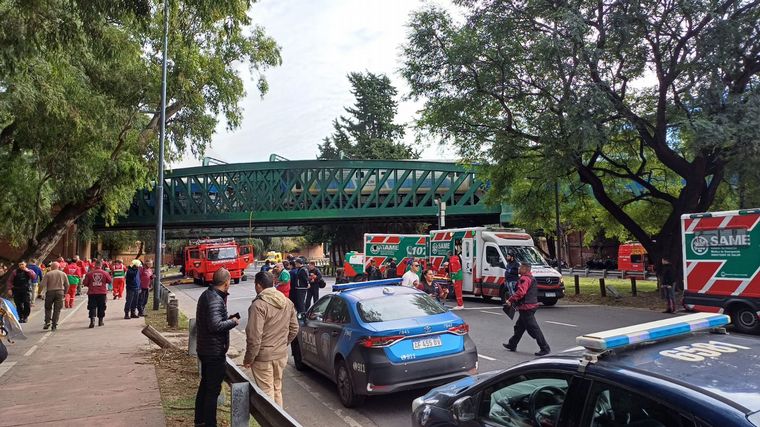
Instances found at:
x=74 y=274
x=272 y=325
x=21 y=281
x=668 y=278
x=411 y=278
x=54 y=284
x=315 y=283
x=97 y=282
x=511 y=276
x=132 y=279
x=525 y=299
x=455 y=271
x=146 y=279
x=34 y=291
x=213 y=325
x=119 y=272
x=299 y=285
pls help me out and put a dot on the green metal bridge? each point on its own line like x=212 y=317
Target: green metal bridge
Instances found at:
x=303 y=192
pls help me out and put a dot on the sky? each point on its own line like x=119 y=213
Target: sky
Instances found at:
x=321 y=42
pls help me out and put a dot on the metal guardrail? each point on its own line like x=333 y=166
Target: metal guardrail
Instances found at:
x=247 y=399
x=622 y=274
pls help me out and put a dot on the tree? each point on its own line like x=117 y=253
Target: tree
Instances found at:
x=79 y=97
x=369 y=132
x=647 y=104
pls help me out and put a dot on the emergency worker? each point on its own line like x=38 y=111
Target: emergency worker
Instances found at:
x=119 y=272
x=511 y=276
x=74 y=273
x=282 y=278
x=525 y=299
x=97 y=282
x=455 y=269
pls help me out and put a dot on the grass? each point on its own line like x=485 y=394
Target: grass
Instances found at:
x=590 y=285
x=648 y=295
x=178 y=375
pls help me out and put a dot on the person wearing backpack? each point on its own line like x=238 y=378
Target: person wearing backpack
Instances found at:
x=299 y=285
x=133 y=290
x=21 y=282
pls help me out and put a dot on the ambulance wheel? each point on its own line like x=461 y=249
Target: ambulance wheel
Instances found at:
x=549 y=302
x=237 y=281
x=346 y=392
x=745 y=319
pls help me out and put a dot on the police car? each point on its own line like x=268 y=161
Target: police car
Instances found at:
x=683 y=372
x=377 y=337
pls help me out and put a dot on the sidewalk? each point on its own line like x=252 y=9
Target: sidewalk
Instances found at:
x=77 y=376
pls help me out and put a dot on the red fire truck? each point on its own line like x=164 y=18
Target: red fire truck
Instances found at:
x=203 y=257
x=633 y=257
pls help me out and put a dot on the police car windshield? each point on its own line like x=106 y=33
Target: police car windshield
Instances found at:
x=221 y=253
x=527 y=254
x=388 y=308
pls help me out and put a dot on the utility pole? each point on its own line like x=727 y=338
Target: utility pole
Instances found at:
x=160 y=184
x=559 y=229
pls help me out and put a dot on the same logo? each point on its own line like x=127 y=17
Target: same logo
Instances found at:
x=700 y=245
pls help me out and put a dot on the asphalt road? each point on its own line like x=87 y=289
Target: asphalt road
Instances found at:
x=311 y=398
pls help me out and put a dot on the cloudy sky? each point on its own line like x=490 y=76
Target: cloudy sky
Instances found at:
x=322 y=41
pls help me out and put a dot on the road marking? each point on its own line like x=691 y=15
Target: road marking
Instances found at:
x=560 y=323
x=30 y=351
x=346 y=418
x=5 y=367
x=490 y=312
x=485 y=357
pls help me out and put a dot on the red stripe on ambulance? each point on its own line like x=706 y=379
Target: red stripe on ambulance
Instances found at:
x=701 y=274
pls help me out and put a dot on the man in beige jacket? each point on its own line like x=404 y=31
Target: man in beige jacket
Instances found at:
x=272 y=325
x=54 y=283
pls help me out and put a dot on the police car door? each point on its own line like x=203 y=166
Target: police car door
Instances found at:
x=331 y=331
x=310 y=342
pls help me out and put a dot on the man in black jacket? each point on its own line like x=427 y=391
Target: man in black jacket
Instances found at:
x=299 y=284
x=213 y=325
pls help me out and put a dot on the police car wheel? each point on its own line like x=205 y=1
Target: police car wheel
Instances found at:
x=745 y=320
x=346 y=393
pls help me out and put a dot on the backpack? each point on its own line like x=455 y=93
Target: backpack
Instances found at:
x=21 y=281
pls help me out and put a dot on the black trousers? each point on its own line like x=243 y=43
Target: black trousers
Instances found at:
x=298 y=297
x=130 y=303
x=312 y=295
x=23 y=304
x=526 y=321
x=212 y=375
x=53 y=304
x=97 y=305
x=142 y=300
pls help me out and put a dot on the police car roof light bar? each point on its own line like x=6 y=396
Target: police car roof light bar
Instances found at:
x=357 y=285
x=651 y=331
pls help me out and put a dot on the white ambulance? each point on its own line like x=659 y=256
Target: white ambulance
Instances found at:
x=721 y=264
x=483 y=252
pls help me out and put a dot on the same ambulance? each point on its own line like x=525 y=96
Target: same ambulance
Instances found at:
x=404 y=248
x=483 y=252
x=721 y=264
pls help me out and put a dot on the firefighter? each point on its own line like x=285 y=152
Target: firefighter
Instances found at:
x=74 y=273
x=119 y=278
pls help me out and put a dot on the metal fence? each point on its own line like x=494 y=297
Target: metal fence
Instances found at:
x=622 y=274
x=246 y=398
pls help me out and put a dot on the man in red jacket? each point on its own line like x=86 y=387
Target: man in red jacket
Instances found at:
x=526 y=300
x=97 y=282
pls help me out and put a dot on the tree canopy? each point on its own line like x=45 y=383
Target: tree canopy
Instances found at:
x=80 y=93
x=645 y=106
x=369 y=131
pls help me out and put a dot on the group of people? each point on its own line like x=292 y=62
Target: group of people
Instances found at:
x=297 y=279
x=59 y=283
x=272 y=326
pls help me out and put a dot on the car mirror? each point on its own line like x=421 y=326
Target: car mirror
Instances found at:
x=463 y=409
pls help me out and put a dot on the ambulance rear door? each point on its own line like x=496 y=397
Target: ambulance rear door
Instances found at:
x=468 y=262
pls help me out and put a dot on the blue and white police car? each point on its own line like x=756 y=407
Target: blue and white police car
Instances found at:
x=683 y=372
x=377 y=337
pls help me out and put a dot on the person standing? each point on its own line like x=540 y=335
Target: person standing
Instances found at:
x=340 y=276
x=411 y=278
x=119 y=272
x=146 y=279
x=455 y=269
x=511 y=276
x=282 y=277
x=272 y=325
x=526 y=300
x=132 y=278
x=390 y=270
x=74 y=274
x=299 y=285
x=315 y=282
x=213 y=325
x=372 y=272
x=82 y=271
x=21 y=281
x=97 y=282
x=34 y=291
x=54 y=284
x=668 y=278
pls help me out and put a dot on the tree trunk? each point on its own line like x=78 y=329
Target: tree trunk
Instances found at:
x=140 y=248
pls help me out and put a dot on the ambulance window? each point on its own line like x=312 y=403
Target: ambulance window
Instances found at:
x=613 y=406
x=492 y=257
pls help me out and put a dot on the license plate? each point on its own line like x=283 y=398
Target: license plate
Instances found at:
x=427 y=343
x=551 y=294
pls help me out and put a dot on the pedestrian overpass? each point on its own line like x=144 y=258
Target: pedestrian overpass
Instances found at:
x=313 y=192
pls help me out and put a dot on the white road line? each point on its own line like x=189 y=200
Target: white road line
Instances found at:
x=485 y=357
x=5 y=367
x=490 y=312
x=560 y=323
x=30 y=351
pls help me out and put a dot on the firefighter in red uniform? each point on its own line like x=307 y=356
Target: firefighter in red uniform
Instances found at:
x=119 y=273
x=455 y=271
x=74 y=274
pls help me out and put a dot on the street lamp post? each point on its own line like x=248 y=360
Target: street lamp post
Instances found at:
x=160 y=184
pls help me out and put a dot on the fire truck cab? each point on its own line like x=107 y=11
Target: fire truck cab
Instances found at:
x=483 y=253
x=633 y=257
x=204 y=257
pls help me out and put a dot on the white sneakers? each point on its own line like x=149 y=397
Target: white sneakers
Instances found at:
x=459 y=307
